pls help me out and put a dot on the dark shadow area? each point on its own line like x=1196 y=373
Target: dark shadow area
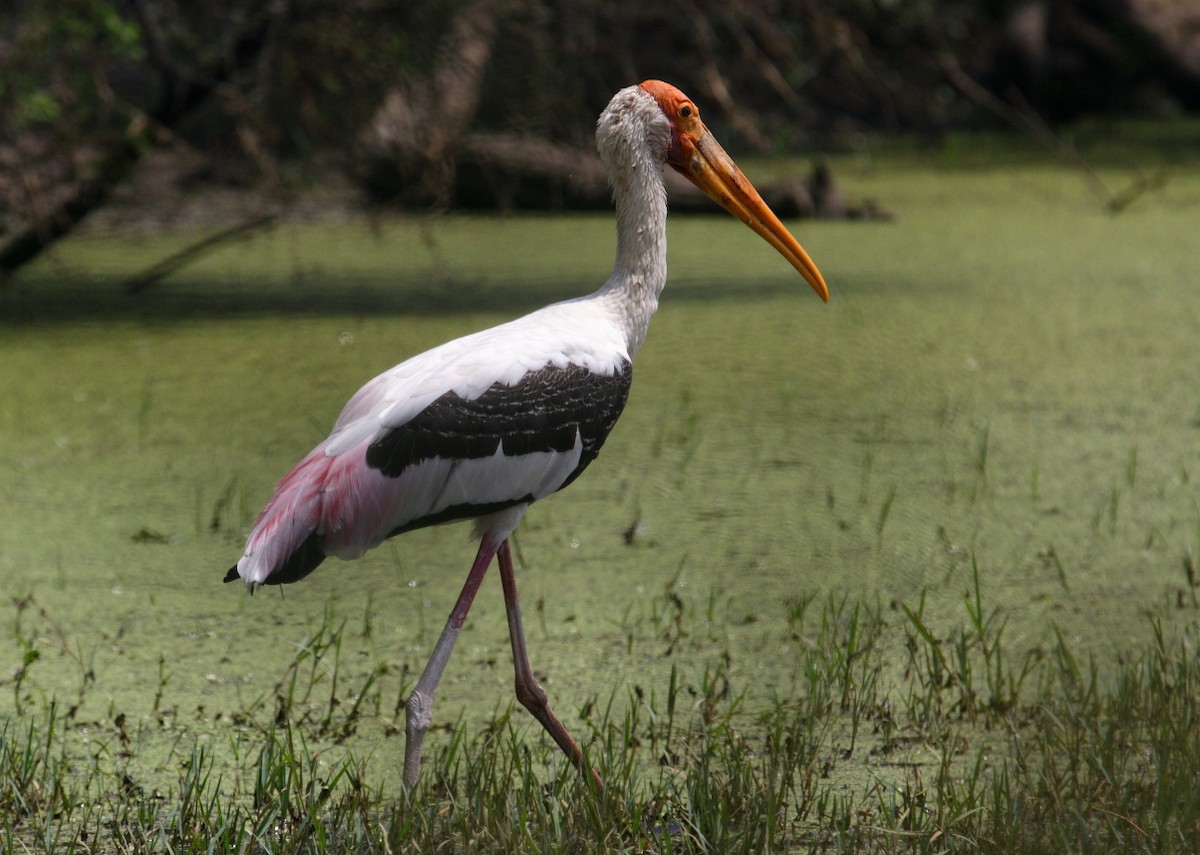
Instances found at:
x=75 y=299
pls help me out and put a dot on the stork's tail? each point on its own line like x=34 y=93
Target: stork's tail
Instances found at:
x=304 y=559
x=286 y=544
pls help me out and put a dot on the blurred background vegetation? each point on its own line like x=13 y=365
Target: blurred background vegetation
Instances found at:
x=491 y=103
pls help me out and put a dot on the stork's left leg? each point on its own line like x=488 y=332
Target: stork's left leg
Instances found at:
x=531 y=695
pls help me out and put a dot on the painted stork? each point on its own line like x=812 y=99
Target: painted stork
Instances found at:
x=483 y=426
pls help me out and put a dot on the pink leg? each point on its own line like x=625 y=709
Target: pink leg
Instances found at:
x=531 y=695
x=420 y=702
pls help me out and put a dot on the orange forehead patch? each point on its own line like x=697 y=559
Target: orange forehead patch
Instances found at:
x=672 y=101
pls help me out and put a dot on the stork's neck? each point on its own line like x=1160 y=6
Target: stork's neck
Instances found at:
x=640 y=271
x=632 y=136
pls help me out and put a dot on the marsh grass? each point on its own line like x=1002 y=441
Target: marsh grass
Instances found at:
x=964 y=750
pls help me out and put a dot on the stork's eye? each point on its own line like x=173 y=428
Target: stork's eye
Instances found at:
x=686 y=111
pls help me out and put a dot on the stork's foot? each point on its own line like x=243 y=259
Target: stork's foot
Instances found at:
x=418 y=717
x=533 y=697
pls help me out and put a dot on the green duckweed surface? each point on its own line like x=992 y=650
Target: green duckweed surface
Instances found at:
x=1004 y=379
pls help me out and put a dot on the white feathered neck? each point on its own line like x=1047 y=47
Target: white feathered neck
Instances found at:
x=632 y=135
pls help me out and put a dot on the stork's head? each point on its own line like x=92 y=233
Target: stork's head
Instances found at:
x=693 y=152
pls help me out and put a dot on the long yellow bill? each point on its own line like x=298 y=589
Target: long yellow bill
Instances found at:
x=696 y=154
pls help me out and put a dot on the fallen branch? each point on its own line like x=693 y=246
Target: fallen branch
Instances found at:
x=140 y=282
x=511 y=172
x=86 y=196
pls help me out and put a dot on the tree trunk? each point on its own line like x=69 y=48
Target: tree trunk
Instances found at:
x=410 y=146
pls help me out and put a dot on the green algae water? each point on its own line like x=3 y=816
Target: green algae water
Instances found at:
x=1002 y=383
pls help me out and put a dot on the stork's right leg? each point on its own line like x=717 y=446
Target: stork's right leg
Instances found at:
x=420 y=702
x=529 y=692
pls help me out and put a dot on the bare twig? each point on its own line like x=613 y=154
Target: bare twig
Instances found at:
x=157 y=271
x=758 y=46
x=717 y=86
x=1022 y=116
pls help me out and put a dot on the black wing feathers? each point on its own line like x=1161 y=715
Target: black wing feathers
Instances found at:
x=543 y=412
